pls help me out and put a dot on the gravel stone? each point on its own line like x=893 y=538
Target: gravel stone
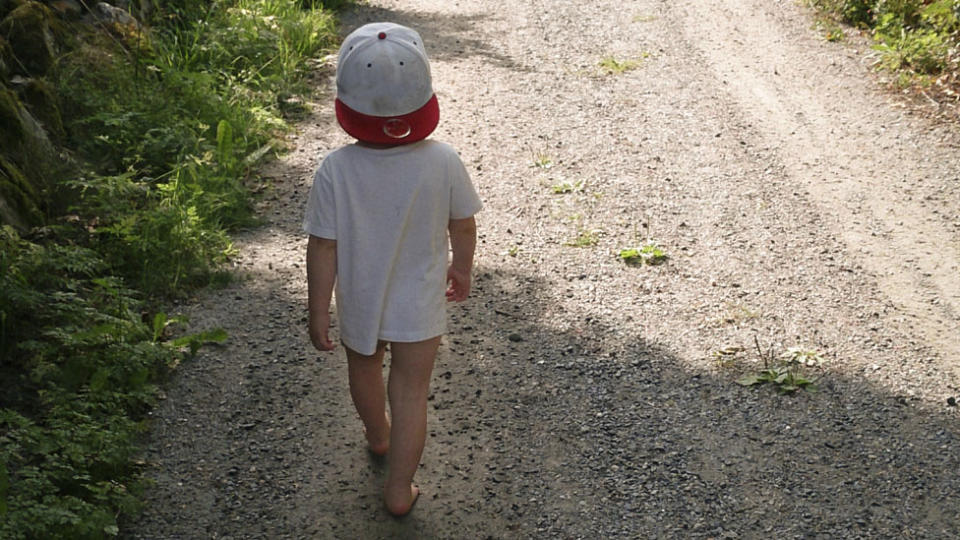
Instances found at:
x=799 y=203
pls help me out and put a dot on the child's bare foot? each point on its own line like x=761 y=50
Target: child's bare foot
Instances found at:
x=402 y=503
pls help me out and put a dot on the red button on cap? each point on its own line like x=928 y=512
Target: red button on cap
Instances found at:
x=382 y=35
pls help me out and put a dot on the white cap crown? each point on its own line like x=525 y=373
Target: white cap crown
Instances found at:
x=382 y=70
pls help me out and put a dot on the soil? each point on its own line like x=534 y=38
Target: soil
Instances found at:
x=800 y=203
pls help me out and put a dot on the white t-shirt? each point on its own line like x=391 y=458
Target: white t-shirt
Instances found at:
x=388 y=210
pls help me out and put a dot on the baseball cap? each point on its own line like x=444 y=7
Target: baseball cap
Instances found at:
x=384 y=89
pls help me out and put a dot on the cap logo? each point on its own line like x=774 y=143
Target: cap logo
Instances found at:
x=396 y=128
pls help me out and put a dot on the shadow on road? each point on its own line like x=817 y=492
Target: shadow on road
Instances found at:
x=546 y=420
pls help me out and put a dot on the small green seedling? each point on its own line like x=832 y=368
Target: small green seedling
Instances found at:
x=542 y=160
x=585 y=238
x=567 y=187
x=612 y=66
x=649 y=253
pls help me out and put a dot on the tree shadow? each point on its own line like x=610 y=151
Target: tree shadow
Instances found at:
x=448 y=37
x=604 y=433
x=546 y=420
x=540 y=424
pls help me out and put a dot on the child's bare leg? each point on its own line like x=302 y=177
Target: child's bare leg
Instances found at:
x=410 y=367
x=366 y=389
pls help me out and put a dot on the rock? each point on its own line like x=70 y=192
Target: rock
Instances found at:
x=67 y=9
x=17 y=198
x=6 y=58
x=28 y=160
x=42 y=102
x=114 y=15
x=28 y=30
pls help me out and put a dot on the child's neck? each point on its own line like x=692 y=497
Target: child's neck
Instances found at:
x=375 y=146
x=378 y=146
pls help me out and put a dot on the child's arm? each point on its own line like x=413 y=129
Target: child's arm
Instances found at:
x=321 y=276
x=463 y=241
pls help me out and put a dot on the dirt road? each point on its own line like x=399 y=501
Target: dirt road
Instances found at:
x=578 y=397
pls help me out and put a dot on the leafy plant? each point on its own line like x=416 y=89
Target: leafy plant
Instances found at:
x=648 y=253
x=790 y=374
x=612 y=66
x=566 y=186
x=585 y=238
x=80 y=368
x=193 y=342
x=542 y=160
x=917 y=39
x=164 y=126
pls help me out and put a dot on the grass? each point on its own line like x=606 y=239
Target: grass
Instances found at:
x=165 y=127
x=566 y=186
x=542 y=160
x=918 y=40
x=585 y=238
x=612 y=66
x=648 y=253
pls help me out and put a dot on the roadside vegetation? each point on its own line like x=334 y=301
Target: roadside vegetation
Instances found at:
x=918 y=40
x=128 y=150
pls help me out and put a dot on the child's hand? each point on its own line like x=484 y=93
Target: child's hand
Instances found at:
x=320 y=332
x=459 y=282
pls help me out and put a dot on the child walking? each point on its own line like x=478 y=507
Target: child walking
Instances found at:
x=379 y=217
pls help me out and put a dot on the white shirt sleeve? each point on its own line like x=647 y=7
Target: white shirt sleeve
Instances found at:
x=464 y=201
x=320 y=218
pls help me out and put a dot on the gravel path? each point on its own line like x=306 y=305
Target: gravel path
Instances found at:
x=576 y=396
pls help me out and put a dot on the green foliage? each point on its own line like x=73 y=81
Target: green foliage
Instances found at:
x=566 y=186
x=165 y=126
x=161 y=235
x=785 y=378
x=585 y=238
x=920 y=37
x=172 y=126
x=542 y=160
x=612 y=66
x=649 y=253
x=80 y=368
x=788 y=375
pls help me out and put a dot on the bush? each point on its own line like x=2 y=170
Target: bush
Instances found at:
x=921 y=37
x=80 y=368
x=163 y=128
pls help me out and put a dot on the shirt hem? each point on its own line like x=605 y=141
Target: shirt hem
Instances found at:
x=320 y=232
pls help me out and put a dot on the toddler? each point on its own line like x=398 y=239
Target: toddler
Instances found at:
x=379 y=217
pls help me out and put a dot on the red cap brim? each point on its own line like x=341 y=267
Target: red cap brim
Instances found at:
x=394 y=130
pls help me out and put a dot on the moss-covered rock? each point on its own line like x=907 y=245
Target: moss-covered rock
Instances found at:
x=11 y=127
x=39 y=96
x=29 y=30
x=6 y=6
x=30 y=162
x=6 y=58
x=18 y=197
